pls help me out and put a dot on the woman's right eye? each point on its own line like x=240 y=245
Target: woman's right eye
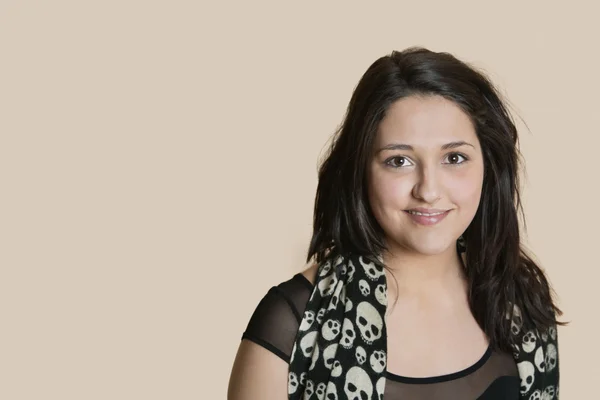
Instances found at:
x=398 y=161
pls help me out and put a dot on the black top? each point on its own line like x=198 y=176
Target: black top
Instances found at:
x=277 y=317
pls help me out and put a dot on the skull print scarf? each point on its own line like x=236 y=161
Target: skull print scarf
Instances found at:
x=340 y=350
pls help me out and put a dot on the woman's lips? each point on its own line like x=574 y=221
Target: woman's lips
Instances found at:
x=427 y=219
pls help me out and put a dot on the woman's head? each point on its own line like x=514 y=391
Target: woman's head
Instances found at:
x=457 y=127
x=425 y=176
x=447 y=112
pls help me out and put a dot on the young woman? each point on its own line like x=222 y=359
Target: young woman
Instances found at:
x=419 y=286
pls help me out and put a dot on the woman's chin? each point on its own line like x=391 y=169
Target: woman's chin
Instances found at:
x=432 y=248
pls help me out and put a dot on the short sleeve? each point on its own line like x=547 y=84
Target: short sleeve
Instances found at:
x=276 y=319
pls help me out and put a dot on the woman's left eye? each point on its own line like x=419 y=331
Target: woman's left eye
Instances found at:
x=456 y=158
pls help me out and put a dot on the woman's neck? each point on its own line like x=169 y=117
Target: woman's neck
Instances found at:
x=424 y=275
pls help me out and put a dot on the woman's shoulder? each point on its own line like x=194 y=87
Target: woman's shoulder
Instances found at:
x=269 y=338
x=290 y=295
x=296 y=290
x=278 y=315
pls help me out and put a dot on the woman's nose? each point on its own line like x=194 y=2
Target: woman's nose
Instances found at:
x=427 y=186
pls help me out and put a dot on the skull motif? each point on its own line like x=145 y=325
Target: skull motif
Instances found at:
x=369 y=322
x=331 y=329
x=326 y=268
x=380 y=387
x=358 y=386
x=331 y=391
x=348 y=334
x=343 y=270
x=548 y=393
x=328 y=355
x=373 y=271
x=529 y=341
x=307 y=321
x=327 y=285
x=537 y=395
x=361 y=355
x=320 y=392
x=310 y=389
x=351 y=270
x=333 y=302
x=348 y=305
x=364 y=287
x=380 y=294
x=337 y=369
x=292 y=383
x=320 y=315
x=526 y=372
x=552 y=332
x=378 y=361
x=307 y=343
x=516 y=323
x=551 y=357
x=336 y=296
x=538 y=359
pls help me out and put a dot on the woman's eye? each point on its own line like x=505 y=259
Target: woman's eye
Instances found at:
x=456 y=158
x=397 y=162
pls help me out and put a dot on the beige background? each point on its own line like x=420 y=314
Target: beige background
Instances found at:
x=158 y=166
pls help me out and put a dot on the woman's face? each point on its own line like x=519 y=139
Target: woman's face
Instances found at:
x=426 y=159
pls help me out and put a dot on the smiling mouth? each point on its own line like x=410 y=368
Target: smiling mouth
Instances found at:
x=427 y=218
x=426 y=214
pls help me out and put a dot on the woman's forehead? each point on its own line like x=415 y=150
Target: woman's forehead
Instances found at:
x=422 y=121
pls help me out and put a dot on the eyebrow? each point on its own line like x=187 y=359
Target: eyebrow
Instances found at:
x=400 y=146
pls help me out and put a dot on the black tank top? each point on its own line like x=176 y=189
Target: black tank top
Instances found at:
x=277 y=317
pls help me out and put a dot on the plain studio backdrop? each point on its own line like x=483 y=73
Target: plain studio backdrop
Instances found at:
x=158 y=164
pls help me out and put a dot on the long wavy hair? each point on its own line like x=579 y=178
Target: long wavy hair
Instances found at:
x=499 y=271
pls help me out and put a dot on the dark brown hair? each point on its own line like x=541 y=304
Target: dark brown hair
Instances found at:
x=499 y=270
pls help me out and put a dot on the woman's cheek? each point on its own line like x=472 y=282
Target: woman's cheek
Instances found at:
x=396 y=192
x=467 y=190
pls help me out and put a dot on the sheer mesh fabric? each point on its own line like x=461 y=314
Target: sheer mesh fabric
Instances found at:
x=277 y=317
